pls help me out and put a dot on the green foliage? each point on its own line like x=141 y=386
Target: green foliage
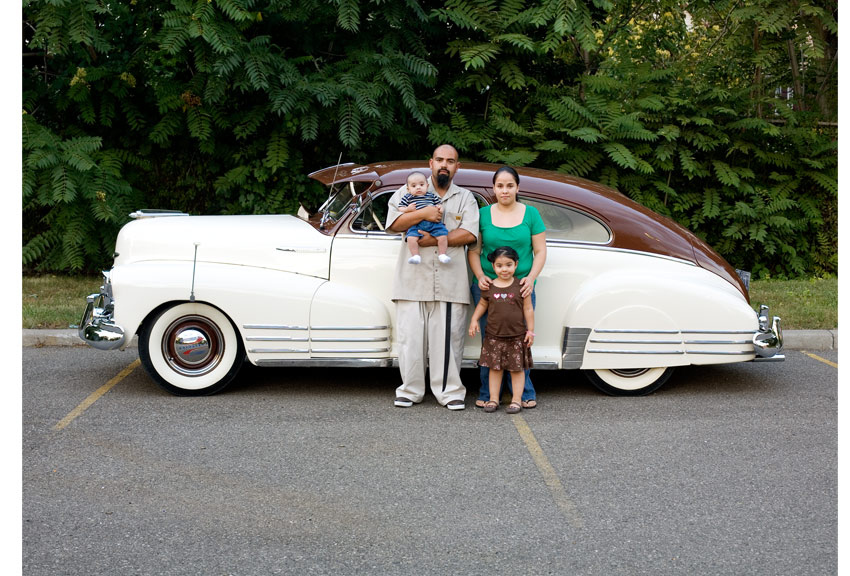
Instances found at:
x=222 y=106
x=685 y=120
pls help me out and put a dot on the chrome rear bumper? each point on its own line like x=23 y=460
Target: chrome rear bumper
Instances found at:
x=767 y=341
x=97 y=328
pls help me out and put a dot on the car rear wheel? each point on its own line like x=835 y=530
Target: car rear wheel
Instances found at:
x=629 y=381
x=191 y=349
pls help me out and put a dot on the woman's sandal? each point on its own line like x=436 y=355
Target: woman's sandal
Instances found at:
x=513 y=408
x=480 y=403
x=491 y=406
x=529 y=404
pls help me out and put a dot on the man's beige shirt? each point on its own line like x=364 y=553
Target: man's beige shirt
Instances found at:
x=432 y=280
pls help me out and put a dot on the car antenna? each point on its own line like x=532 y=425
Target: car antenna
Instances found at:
x=330 y=193
x=194 y=266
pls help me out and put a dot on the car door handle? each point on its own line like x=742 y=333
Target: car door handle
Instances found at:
x=308 y=250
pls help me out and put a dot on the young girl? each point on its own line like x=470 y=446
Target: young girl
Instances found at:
x=510 y=329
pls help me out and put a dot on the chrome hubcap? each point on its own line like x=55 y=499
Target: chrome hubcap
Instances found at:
x=192 y=345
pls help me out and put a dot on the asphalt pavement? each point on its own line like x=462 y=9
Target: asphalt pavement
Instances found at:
x=727 y=470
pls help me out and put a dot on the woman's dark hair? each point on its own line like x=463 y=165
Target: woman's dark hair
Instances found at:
x=510 y=171
x=503 y=251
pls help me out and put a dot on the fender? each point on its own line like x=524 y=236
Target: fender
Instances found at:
x=649 y=317
x=248 y=296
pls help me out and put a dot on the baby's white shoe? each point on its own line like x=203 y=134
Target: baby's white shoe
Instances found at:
x=444 y=258
x=414 y=259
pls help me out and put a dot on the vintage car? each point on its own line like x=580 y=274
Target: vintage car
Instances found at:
x=625 y=296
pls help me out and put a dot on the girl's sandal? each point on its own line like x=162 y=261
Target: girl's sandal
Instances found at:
x=529 y=404
x=491 y=406
x=514 y=408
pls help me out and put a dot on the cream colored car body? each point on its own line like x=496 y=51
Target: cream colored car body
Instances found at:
x=296 y=294
x=287 y=291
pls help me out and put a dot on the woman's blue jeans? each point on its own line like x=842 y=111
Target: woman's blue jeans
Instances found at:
x=528 y=392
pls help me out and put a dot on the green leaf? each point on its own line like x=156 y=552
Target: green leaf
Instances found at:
x=476 y=56
x=726 y=174
x=621 y=155
x=587 y=134
x=277 y=151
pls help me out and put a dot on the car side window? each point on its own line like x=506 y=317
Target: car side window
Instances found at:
x=568 y=224
x=373 y=216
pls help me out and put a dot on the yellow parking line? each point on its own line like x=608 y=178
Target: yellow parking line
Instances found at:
x=819 y=359
x=550 y=477
x=95 y=395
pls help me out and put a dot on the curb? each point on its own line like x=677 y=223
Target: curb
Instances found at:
x=38 y=338
x=793 y=339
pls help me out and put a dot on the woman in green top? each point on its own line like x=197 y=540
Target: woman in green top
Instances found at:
x=508 y=223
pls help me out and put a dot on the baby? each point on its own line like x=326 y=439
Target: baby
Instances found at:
x=417 y=197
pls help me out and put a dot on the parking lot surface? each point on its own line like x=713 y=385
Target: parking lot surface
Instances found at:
x=724 y=470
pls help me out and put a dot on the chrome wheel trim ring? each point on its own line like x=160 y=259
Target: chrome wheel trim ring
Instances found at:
x=629 y=372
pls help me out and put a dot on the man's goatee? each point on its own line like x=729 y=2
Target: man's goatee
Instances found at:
x=443 y=180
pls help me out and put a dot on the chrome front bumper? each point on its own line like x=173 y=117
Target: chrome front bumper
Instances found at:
x=97 y=328
x=767 y=341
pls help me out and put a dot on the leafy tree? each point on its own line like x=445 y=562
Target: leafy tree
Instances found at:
x=206 y=106
x=719 y=114
x=667 y=102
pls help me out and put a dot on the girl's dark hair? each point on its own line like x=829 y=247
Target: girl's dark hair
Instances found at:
x=510 y=171
x=503 y=251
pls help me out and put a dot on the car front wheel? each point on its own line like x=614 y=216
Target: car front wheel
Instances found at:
x=629 y=382
x=190 y=349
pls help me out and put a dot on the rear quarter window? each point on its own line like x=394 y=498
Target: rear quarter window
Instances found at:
x=568 y=224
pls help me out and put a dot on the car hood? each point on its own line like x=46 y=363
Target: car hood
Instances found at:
x=280 y=242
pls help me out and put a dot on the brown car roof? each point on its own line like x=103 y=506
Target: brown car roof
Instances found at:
x=633 y=226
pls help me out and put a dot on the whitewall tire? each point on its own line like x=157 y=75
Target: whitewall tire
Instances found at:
x=629 y=382
x=190 y=349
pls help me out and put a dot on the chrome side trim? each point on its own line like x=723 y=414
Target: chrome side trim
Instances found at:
x=718 y=341
x=653 y=352
x=376 y=339
x=617 y=341
x=467 y=363
x=721 y=353
x=330 y=362
x=351 y=351
x=271 y=327
x=633 y=331
x=275 y=339
x=718 y=332
x=349 y=327
x=278 y=351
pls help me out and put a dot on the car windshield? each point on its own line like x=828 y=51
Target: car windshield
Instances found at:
x=338 y=201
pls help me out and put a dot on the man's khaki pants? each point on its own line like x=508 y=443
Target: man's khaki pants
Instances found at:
x=421 y=337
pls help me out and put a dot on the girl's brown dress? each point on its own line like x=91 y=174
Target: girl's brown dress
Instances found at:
x=504 y=346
